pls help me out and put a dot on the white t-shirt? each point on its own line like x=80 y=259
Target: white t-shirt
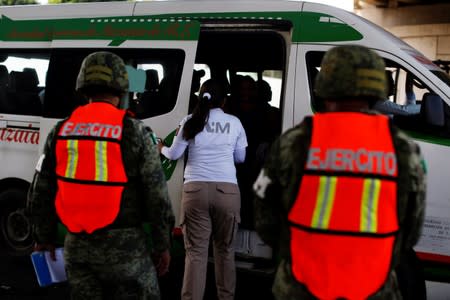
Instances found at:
x=212 y=152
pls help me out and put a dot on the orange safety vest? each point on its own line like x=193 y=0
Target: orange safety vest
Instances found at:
x=90 y=172
x=344 y=220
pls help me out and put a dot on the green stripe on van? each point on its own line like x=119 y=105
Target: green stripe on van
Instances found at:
x=428 y=138
x=307 y=27
x=167 y=164
x=316 y=27
x=117 y=29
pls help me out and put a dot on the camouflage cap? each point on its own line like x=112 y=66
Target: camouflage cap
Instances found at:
x=103 y=69
x=351 y=71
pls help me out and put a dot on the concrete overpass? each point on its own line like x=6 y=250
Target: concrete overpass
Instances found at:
x=424 y=24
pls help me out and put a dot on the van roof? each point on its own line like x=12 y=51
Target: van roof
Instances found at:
x=49 y=16
x=310 y=22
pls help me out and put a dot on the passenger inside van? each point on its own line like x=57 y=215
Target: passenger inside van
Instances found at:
x=391 y=108
x=246 y=105
x=241 y=102
x=272 y=114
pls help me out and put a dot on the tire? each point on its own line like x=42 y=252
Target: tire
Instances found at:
x=15 y=227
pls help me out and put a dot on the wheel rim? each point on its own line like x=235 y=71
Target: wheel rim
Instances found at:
x=17 y=229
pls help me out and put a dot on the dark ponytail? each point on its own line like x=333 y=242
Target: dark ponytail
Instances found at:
x=212 y=95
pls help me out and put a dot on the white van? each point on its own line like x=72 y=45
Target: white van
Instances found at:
x=162 y=42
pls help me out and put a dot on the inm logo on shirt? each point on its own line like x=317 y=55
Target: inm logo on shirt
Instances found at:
x=217 y=127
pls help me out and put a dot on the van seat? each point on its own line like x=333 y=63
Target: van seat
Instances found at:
x=23 y=93
x=148 y=99
x=432 y=110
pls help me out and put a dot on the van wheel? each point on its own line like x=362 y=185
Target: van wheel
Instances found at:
x=15 y=227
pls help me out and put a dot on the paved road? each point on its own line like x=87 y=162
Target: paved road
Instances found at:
x=17 y=282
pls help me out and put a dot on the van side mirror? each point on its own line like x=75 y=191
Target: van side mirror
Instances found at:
x=432 y=110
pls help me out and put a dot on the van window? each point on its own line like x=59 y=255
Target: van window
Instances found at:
x=154 y=80
x=22 y=81
x=416 y=109
x=207 y=72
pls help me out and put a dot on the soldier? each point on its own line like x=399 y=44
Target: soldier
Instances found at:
x=341 y=195
x=100 y=175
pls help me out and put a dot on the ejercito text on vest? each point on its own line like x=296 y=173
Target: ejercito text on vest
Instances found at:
x=360 y=160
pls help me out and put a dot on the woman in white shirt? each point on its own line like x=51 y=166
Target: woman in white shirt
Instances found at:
x=211 y=197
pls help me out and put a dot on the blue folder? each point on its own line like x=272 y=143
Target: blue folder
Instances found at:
x=41 y=268
x=47 y=270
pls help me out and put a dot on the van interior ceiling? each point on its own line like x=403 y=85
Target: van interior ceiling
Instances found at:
x=243 y=50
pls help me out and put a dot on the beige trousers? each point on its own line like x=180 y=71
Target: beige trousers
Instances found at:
x=209 y=209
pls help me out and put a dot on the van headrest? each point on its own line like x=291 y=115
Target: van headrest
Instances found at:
x=23 y=81
x=432 y=109
x=32 y=75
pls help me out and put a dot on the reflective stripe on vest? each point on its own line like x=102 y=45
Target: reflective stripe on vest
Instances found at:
x=72 y=159
x=369 y=205
x=344 y=219
x=324 y=202
x=89 y=167
x=101 y=165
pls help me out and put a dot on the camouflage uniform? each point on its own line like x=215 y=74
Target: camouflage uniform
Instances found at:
x=115 y=261
x=277 y=187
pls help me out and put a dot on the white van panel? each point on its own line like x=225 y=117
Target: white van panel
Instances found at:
x=173 y=7
x=22 y=45
x=438 y=290
x=18 y=146
x=164 y=124
x=47 y=125
x=33 y=12
x=436 y=232
x=290 y=90
x=438 y=193
x=77 y=44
